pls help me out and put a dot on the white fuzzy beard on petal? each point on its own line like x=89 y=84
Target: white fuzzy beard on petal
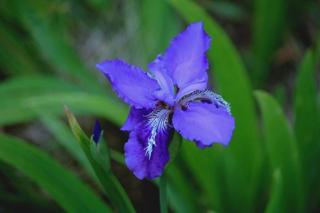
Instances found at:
x=158 y=121
x=203 y=95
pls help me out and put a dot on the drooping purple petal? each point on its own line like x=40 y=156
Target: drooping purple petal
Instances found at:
x=204 y=123
x=136 y=155
x=130 y=83
x=185 y=60
x=135 y=117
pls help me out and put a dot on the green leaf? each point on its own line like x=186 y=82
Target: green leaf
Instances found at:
x=227 y=10
x=61 y=184
x=180 y=190
x=317 y=48
x=14 y=57
x=100 y=154
x=207 y=167
x=25 y=109
x=244 y=155
x=23 y=98
x=268 y=30
x=22 y=86
x=65 y=138
x=180 y=193
x=159 y=24
x=305 y=105
x=175 y=146
x=48 y=29
x=117 y=156
x=276 y=201
x=279 y=92
x=99 y=5
x=112 y=186
x=282 y=151
x=306 y=123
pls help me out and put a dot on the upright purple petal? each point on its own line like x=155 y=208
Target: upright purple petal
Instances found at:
x=204 y=123
x=166 y=93
x=185 y=60
x=130 y=83
x=136 y=157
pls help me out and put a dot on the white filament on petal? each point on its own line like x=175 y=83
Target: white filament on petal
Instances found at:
x=158 y=121
x=205 y=95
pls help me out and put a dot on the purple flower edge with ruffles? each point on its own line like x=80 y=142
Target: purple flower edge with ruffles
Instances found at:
x=173 y=95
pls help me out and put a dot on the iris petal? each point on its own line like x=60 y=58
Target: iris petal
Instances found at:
x=130 y=83
x=185 y=61
x=166 y=93
x=134 y=118
x=204 y=123
x=146 y=152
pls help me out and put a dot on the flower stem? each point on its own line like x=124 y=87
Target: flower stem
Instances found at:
x=163 y=194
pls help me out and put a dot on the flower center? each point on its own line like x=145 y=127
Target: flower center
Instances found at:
x=160 y=118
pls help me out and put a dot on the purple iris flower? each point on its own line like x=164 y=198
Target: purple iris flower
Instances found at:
x=173 y=95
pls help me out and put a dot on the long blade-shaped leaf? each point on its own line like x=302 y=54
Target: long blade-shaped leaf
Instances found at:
x=63 y=135
x=282 y=151
x=305 y=105
x=306 y=123
x=206 y=166
x=276 y=201
x=23 y=98
x=180 y=193
x=22 y=86
x=268 y=29
x=14 y=57
x=159 y=24
x=49 y=34
x=27 y=108
x=62 y=185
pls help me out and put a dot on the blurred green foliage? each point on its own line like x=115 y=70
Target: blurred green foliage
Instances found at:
x=48 y=52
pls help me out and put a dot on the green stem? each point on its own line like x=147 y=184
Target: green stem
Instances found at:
x=163 y=194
